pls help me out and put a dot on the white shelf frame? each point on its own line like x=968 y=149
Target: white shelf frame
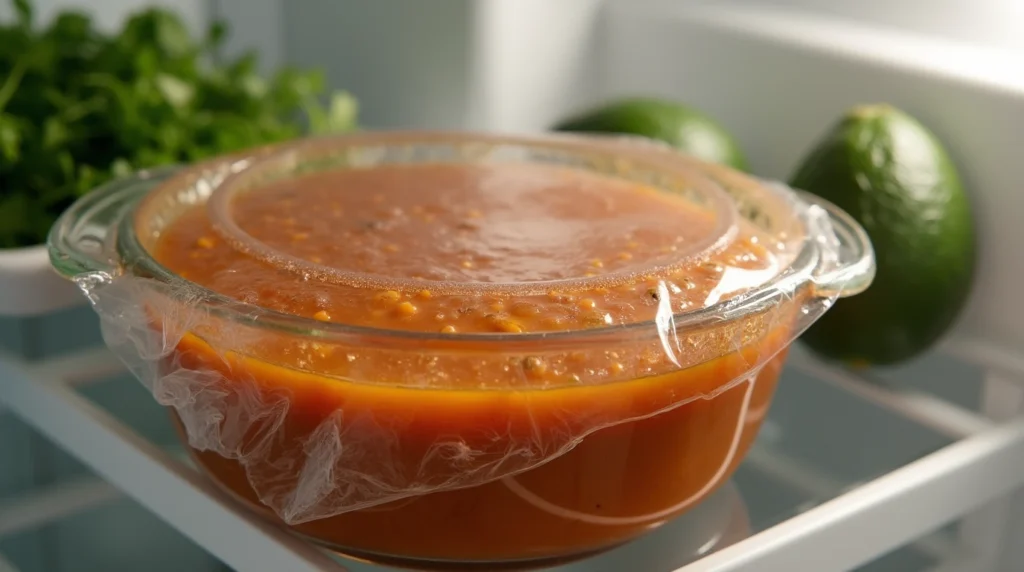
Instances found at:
x=984 y=464
x=42 y=397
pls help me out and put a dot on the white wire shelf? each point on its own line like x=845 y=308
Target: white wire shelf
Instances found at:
x=846 y=525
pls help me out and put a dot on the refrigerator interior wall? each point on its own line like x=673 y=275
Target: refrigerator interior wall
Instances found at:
x=985 y=22
x=499 y=65
x=365 y=47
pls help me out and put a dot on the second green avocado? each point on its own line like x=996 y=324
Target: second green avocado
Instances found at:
x=895 y=178
x=678 y=125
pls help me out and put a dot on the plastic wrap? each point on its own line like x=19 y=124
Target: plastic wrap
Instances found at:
x=325 y=418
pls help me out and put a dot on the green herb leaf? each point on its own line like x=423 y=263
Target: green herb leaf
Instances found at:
x=10 y=139
x=79 y=107
x=177 y=93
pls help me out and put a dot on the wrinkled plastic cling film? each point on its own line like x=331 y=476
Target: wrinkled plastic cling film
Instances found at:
x=353 y=459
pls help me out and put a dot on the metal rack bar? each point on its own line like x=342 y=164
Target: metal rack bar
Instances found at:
x=77 y=368
x=990 y=356
x=785 y=468
x=48 y=504
x=45 y=505
x=168 y=488
x=924 y=408
x=81 y=367
x=985 y=532
x=886 y=513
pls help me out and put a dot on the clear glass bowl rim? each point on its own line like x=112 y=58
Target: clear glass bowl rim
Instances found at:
x=133 y=259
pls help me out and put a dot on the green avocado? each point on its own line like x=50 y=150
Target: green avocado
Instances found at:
x=892 y=175
x=680 y=126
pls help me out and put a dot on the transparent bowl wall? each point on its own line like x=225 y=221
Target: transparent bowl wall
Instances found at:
x=545 y=475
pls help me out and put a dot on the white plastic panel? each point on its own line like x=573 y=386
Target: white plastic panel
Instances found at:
x=985 y=22
x=488 y=64
x=533 y=61
x=407 y=62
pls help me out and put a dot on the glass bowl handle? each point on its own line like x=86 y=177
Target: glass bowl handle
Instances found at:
x=846 y=265
x=83 y=241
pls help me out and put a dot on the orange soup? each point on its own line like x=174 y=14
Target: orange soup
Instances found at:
x=439 y=448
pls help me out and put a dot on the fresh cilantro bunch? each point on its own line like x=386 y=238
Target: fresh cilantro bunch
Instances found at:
x=79 y=107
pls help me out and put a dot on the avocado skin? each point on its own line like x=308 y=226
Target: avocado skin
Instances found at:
x=675 y=124
x=895 y=178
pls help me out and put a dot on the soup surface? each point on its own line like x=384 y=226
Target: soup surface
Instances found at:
x=509 y=234
x=449 y=453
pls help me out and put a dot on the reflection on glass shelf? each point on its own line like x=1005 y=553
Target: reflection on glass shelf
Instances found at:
x=720 y=520
x=817 y=442
x=820 y=441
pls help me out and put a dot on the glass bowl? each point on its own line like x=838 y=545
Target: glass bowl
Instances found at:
x=562 y=406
